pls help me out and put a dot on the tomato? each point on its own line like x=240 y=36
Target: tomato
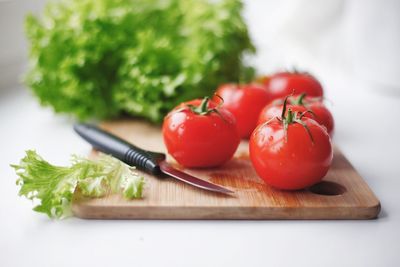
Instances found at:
x=199 y=133
x=282 y=84
x=320 y=112
x=245 y=102
x=294 y=158
x=322 y=115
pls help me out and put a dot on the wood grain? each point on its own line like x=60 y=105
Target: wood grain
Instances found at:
x=343 y=194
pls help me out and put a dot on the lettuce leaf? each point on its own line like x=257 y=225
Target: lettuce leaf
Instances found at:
x=53 y=186
x=103 y=58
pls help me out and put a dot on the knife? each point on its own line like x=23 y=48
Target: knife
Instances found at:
x=151 y=162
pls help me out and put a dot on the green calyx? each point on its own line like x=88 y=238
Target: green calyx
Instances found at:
x=294 y=117
x=298 y=100
x=203 y=109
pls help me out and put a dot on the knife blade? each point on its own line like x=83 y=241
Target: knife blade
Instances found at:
x=151 y=162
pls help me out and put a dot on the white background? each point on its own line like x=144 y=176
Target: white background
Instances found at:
x=361 y=81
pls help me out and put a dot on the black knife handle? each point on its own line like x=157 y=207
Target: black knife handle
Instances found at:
x=110 y=144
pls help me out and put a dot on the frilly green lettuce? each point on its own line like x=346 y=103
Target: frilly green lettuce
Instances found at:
x=102 y=58
x=54 y=186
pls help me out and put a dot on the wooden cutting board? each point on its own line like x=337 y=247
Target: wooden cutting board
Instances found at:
x=342 y=194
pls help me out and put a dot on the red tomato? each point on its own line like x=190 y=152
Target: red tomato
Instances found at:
x=245 y=103
x=198 y=133
x=322 y=115
x=294 y=158
x=282 y=84
x=301 y=103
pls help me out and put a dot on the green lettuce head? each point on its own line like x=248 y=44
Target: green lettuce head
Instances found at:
x=103 y=58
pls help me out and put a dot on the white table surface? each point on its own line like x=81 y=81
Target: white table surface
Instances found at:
x=367 y=130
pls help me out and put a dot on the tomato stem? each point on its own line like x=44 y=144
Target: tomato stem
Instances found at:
x=203 y=108
x=204 y=105
x=283 y=115
x=290 y=116
x=299 y=100
x=293 y=117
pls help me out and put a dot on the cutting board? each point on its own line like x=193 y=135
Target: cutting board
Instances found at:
x=342 y=194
